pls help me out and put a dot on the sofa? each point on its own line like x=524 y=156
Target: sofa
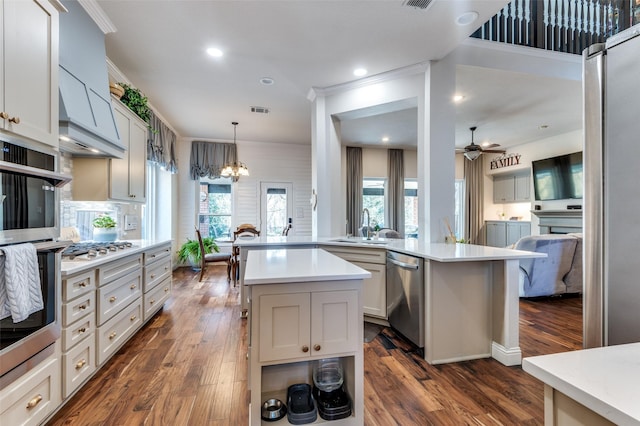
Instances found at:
x=559 y=273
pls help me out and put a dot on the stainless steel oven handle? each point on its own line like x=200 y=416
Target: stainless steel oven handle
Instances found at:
x=402 y=264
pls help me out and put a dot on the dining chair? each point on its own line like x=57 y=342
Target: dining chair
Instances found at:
x=246 y=230
x=211 y=258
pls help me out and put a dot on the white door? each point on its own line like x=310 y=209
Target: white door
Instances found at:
x=276 y=208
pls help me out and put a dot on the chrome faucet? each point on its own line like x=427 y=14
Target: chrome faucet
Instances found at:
x=368 y=219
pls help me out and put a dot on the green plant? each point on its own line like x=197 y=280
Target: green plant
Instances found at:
x=190 y=251
x=136 y=101
x=104 y=221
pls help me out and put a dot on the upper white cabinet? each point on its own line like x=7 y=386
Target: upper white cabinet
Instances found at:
x=118 y=179
x=512 y=187
x=29 y=70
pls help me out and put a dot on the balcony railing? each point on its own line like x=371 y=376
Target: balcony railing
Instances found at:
x=559 y=25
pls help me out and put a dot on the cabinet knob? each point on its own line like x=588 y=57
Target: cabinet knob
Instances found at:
x=133 y=318
x=152 y=301
x=112 y=335
x=132 y=286
x=81 y=364
x=83 y=284
x=4 y=115
x=317 y=347
x=15 y=120
x=166 y=289
x=35 y=401
x=82 y=307
x=153 y=276
x=305 y=349
x=112 y=299
x=82 y=330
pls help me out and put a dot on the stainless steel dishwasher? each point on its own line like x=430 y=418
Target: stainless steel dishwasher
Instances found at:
x=405 y=296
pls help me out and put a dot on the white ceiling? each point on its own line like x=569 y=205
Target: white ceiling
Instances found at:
x=160 y=47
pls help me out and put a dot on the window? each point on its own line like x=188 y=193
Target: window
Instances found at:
x=214 y=213
x=459 y=208
x=276 y=207
x=411 y=208
x=373 y=200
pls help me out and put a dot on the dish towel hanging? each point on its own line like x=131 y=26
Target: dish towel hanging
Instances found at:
x=20 y=289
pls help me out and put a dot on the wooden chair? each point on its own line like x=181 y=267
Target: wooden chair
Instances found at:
x=211 y=258
x=244 y=230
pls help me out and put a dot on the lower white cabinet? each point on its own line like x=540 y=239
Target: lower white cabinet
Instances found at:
x=115 y=332
x=30 y=399
x=78 y=365
x=503 y=233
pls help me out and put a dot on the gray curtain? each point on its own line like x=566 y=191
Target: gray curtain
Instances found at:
x=208 y=158
x=474 y=196
x=354 y=189
x=395 y=187
x=161 y=144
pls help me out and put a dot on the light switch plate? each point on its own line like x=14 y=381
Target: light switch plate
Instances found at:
x=130 y=222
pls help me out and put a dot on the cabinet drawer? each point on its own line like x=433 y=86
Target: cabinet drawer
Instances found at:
x=78 y=285
x=115 y=332
x=79 y=308
x=31 y=398
x=115 y=296
x=78 y=364
x=156 y=254
x=156 y=297
x=156 y=273
x=358 y=254
x=77 y=332
x=119 y=268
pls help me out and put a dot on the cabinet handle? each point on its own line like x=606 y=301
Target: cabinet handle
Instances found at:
x=133 y=318
x=83 y=284
x=152 y=301
x=82 y=307
x=153 y=276
x=153 y=255
x=81 y=364
x=112 y=299
x=112 y=335
x=15 y=120
x=82 y=330
x=317 y=347
x=305 y=349
x=132 y=286
x=4 y=115
x=35 y=401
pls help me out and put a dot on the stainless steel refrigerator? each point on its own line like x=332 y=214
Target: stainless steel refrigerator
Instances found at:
x=611 y=217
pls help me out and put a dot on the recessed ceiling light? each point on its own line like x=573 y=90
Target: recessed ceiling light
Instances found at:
x=215 y=52
x=467 y=18
x=385 y=139
x=359 y=72
x=458 y=98
x=267 y=81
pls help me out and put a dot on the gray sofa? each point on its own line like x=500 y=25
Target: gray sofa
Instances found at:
x=559 y=273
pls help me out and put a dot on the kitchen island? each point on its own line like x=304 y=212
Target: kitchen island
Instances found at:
x=471 y=292
x=305 y=305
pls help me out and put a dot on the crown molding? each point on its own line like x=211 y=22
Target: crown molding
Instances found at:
x=98 y=15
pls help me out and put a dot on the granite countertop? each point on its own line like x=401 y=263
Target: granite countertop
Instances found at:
x=605 y=380
x=440 y=252
x=303 y=265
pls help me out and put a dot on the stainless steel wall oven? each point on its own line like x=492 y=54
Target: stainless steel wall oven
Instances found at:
x=29 y=214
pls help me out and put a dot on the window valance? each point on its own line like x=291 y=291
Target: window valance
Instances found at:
x=161 y=144
x=208 y=158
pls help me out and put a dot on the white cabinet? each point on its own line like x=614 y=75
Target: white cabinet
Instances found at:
x=503 y=233
x=29 y=70
x=512 y=187
x=156 y=279
x=294 y=324
x=374 y=289
x=119 y=179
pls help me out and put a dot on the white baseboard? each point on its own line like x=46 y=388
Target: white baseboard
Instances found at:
x=508 y=357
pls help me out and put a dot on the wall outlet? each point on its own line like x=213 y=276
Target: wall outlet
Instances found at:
x=130 y=222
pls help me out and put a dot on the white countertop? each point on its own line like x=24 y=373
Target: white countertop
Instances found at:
x=303 y=265
x=71 y=267
x=440 y=252
x=605 y=380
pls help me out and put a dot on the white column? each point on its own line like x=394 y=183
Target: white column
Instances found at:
x=436 y=151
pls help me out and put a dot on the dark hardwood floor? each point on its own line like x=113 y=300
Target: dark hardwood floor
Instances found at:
x=187 y=366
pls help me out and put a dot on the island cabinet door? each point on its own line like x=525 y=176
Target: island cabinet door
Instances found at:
x=334 y=321
x=285 y=329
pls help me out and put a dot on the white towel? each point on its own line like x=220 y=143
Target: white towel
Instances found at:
x=20 y=288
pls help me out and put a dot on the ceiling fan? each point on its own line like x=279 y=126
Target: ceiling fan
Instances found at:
x=473 y=151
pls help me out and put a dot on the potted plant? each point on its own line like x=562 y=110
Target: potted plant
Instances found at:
x=104 y=228
x=190 y=251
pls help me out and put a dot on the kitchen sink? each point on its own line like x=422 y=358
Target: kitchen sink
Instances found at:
x=359 y=241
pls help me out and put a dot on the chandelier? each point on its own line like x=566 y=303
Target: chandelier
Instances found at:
x=235 y=169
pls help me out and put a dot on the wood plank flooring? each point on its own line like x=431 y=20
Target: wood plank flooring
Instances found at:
x=187 y=366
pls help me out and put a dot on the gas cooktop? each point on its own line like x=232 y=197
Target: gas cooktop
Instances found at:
x=93 y=249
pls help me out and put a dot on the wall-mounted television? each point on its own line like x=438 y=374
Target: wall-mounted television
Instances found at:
x=558 y=178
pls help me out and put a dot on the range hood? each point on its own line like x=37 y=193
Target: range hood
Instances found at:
x=87 y=123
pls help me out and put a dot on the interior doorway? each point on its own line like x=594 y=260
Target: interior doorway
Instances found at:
x=276 y=208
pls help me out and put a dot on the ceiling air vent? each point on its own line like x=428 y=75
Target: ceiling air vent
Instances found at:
x=260 y=110
x=420 y=4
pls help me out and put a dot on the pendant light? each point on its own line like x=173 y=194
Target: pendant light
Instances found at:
x=235 y=169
